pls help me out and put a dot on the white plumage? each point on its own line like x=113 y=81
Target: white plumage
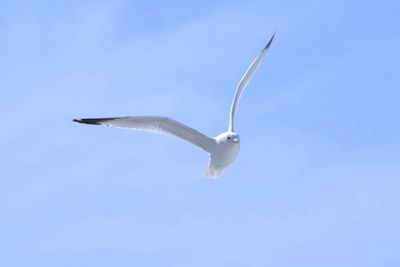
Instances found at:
x=222 y=149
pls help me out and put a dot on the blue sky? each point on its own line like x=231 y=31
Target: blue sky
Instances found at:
x=315 y=183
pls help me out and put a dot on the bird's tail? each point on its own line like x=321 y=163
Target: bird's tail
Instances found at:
x=213 y=171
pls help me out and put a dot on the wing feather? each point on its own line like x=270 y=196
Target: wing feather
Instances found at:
x=156 y=124
x=245 y=80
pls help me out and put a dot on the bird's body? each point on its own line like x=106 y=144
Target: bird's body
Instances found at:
x=222 y=149
x=224 y=152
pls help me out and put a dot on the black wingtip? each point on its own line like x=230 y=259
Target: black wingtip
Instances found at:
x=270 y=42
x=89 y=121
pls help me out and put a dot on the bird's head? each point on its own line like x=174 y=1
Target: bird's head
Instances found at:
x=228 y=138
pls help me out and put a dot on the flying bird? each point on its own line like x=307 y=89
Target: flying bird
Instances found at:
x=222 y=149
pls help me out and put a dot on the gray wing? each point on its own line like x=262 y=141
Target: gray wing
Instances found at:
x=156 y=124
x=245 y=80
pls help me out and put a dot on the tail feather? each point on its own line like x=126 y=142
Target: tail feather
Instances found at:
x=213 y=171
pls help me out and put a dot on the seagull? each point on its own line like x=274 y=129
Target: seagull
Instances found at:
x=222 y=149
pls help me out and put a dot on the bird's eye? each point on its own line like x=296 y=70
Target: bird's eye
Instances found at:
x=229 y=137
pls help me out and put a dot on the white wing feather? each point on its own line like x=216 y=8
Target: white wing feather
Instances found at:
x=245 y=80
x=156 y=124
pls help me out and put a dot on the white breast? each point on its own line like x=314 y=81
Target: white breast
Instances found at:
x=224 y=154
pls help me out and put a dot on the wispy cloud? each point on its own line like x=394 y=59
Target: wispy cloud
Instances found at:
x=316 y=176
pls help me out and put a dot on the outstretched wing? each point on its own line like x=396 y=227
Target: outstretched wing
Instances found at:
x=245 y=80
x=156 y=124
